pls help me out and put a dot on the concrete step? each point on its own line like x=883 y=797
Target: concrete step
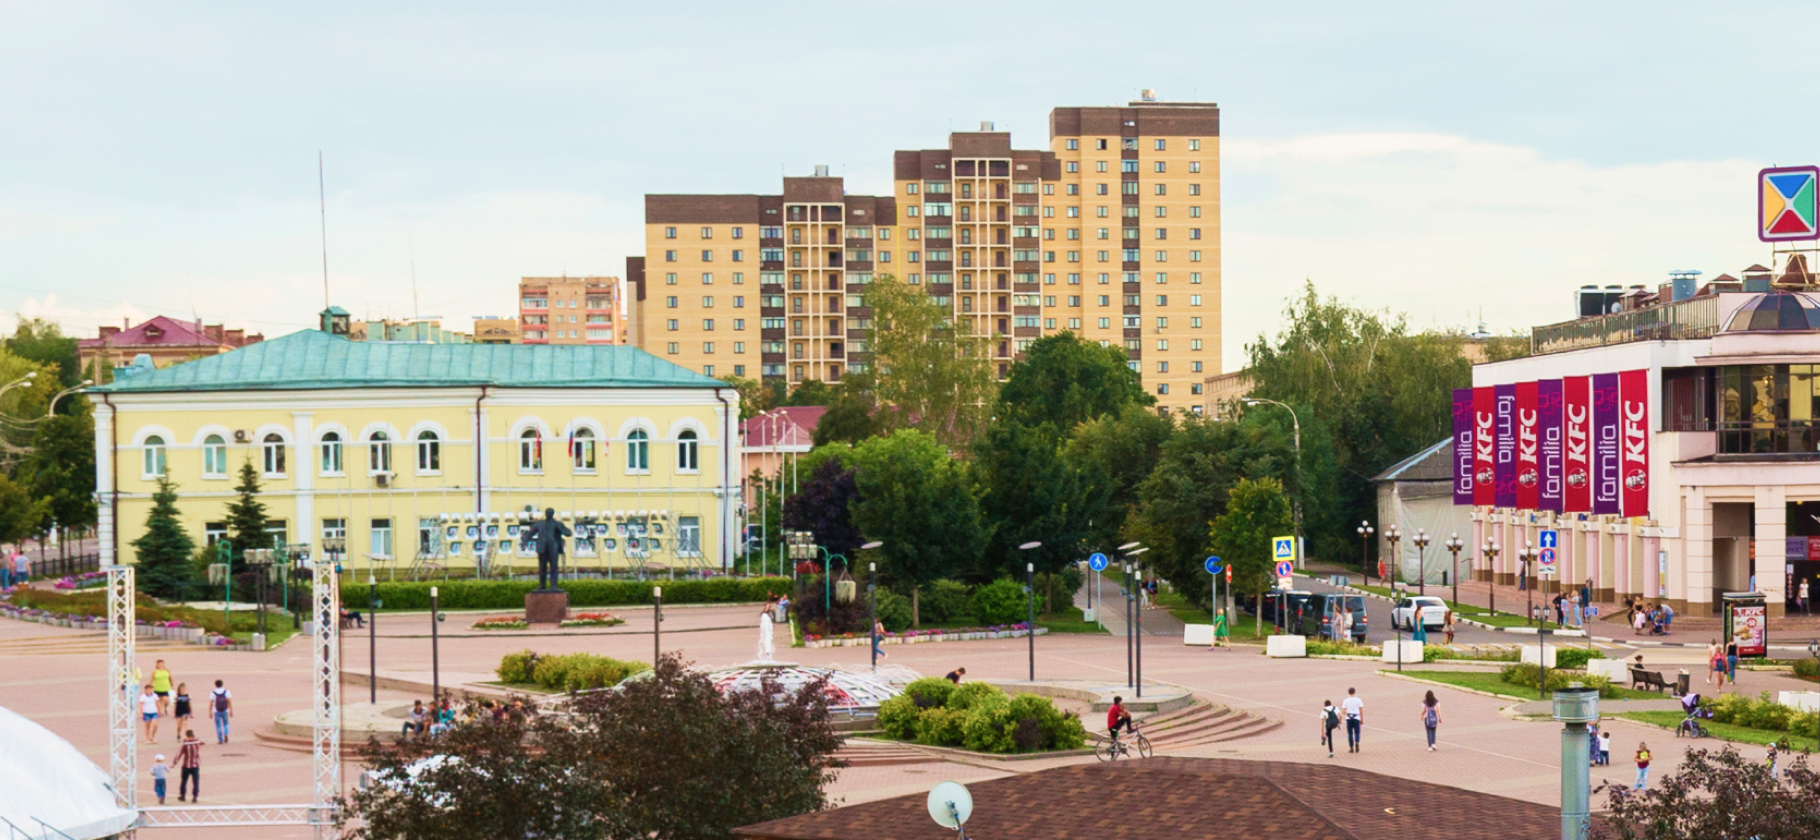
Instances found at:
x=273 y=738
x=859 y=753
x=1251 y=726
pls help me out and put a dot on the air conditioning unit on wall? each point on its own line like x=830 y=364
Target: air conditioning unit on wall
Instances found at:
x=242 y=436
x=383 y=479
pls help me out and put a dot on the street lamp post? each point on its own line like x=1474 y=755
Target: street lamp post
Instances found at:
x=1393 y=534
x=51 y=408
x=1524 y=555
x=435 y=652
x=1491 y=552
x=1813 y=649
x=872 y=597
x=1421 y=543
x=657 y=624
x=1137 y=623
x=1365 y=531
x=1130 y=674
x=1296 y=424
x=372 y=638
x=1454 y=545
x=1030 y=598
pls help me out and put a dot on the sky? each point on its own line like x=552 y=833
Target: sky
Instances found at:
x=1448 y=161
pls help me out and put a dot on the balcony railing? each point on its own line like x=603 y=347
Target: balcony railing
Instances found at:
x=1691 y=318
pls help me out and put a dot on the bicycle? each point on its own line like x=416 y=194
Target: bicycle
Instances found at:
x=1113 y=748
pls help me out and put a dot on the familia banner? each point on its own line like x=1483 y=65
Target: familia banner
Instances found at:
x=1579 y=444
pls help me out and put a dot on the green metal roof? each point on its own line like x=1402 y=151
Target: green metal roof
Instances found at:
x=313 y=360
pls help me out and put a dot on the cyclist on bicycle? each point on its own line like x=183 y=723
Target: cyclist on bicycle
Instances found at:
x=1117 y=717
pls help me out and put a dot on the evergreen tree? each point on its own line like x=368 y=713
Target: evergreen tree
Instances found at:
x=246 y=517
x=164 y=550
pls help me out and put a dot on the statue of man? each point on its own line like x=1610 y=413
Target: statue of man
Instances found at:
x=548 y=534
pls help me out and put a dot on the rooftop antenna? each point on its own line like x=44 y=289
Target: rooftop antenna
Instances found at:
x=322 y=205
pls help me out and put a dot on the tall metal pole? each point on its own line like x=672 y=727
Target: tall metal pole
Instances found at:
x=1030 y=630
x=657 y=624
x=372 y=638
x=435 y=654
x=872 y=596
x=1138 y=634
x=1130 y=672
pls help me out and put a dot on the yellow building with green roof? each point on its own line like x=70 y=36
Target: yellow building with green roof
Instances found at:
x=425 y=457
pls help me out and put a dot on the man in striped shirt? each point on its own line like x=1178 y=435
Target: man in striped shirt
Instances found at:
x=189 y=757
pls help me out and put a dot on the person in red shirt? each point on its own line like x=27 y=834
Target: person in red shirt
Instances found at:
x=1117 y=717
x=189 y=758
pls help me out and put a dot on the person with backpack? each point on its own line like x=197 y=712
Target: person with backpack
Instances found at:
x=221 y=706
x=1330 y=721
x=1431 y=717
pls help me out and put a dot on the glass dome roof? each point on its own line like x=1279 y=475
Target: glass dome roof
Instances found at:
x=1777 y=312
x=846 y=690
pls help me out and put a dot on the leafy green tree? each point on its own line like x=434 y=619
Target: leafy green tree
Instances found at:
x=42 y=342
x=689 y=763
x=754 y=397
x=849 y=418
x=21 y=515
x=246 y=518
x=822 y=507
x=926 y=369
x=162 y=554
x=1383 y=392
x=1114 y=454
x=1030 y=494
x=921 y=504
x=1065 y=381
x=60 y=470
x=1256 y=511
x=811 y=392
x=1716 y=795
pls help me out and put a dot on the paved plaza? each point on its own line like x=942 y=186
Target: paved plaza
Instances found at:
x=57 y=679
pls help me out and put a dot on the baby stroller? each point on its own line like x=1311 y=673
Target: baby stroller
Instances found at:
x=1690 y=725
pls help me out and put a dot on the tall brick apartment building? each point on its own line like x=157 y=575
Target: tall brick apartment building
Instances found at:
x=1113 y=233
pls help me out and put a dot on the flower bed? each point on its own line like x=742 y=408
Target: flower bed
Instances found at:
x=917 y=637
x=82 y=581
x=597 y=619
x=500 y=622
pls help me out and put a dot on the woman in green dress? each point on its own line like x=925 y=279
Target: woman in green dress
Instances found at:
x=1222 y=635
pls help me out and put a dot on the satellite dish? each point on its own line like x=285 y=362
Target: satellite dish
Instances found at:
x=950 y=804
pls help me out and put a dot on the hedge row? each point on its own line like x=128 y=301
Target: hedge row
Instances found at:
x=510 y=594
x=979 y=717
x=566 y=672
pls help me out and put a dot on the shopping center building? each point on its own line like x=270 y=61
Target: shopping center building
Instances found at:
x=430 y=455
x=1692 y=446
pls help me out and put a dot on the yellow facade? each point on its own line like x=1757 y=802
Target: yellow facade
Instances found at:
x=702 y=305
x=392 y=469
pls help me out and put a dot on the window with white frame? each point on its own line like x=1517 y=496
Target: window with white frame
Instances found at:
x=272 y=448
x=688 y=536
x=214 y=457
x=153 y=450
x=429 y=452
x=334 y=529
x=581 y=449
x=379 y=541
x=331 y=453
x=688 y=452
x=530 y=451
x=638 y=451
x=379 y=453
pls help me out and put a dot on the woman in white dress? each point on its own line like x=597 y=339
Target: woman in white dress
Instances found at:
x=766 y=650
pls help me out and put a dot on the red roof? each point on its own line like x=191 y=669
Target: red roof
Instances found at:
x=161 y=331
x=792 y=425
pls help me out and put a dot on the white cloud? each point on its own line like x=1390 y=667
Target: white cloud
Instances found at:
x=82 y=322
x=1441 y=226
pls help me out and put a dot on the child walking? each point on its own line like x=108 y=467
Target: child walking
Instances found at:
x=1642 y=766
x=159 y=771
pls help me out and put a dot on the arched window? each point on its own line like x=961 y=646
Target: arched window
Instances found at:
x=214 y=457
x=581 y=449
x=638 y=451
x=331 y=453
x=530 y=451
x=429 y=452
x=273 y=449
x=154 y=455
x=379 y=453
x=688 y=452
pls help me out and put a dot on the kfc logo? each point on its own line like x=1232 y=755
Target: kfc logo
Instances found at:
x=1577 y=478
x=1635 y=480
x=1527 y=478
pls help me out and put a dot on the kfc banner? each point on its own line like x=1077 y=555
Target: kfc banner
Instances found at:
x=1607 y=471
x=1462 y=446
x=1548 y=410
x=1506 y=449
x=1576 y=450
x=1529 y=448
x=1484 y=441
x=1633 y=390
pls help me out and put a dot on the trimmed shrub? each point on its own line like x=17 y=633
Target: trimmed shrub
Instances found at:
x=967 y=695
x=517 y=667
x=1000 y=602
x=510 y=594
x=1729 y=708
x=1576 y=658
x=940 y=727
x=893 y=611
x=945 y=600
x=1802 y=723
x=1807 y=668
x=898 y=715
x=988 y=724
x=930 y=692
x=574 y=671
x=1529 y=676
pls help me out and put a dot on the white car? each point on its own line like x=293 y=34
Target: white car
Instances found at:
x=1434 y=612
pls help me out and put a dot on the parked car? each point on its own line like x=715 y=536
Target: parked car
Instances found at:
x=1434 y=612
x=1317 y=619
x=1291 y=604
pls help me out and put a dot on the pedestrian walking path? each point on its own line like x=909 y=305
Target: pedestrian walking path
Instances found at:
x=1154 y=621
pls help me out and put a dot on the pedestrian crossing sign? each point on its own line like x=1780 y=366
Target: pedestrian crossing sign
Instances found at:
x=1284 y=548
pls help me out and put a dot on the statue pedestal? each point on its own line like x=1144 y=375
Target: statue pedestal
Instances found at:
x=546 y=606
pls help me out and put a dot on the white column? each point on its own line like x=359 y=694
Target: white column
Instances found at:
x=302 y=431
x=478 y=420
x=1478 y=543
x=104 y=482
x=1772 y=546
x=1696 y=572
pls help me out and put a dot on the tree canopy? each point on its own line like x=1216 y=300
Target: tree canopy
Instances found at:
x=1256 y=511
x=1064 y=381
x=924 y=365
x=822 y=506
x=921 y=504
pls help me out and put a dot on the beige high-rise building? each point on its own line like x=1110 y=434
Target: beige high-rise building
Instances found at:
x=1113 y=234
x=569 y=310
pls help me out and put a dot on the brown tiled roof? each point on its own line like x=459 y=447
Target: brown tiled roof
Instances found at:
x=1188 y=798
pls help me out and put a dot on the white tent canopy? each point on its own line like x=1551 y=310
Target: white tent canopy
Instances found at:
x=43 y=778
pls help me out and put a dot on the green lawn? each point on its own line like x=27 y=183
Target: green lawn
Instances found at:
x=1476 y=613
x=1726 y=731
x=1492 y=682
x=1243 y=629
x=1063 y=620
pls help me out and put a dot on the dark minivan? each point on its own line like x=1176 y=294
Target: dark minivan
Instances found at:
x=1317 y=616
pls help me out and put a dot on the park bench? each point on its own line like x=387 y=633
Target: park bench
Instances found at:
x=1647 y=680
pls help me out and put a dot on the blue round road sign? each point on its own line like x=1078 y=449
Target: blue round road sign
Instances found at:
x=1285 y=569
x=1213 y=565
x=1097 y=562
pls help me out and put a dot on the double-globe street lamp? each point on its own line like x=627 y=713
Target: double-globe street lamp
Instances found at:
x=1454 y=544
x=1392 y=534
x=1421 y=543
x=1491 y=551
x=1365 y=532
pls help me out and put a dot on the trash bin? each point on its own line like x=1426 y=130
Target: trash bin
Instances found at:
x=1681 y=684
